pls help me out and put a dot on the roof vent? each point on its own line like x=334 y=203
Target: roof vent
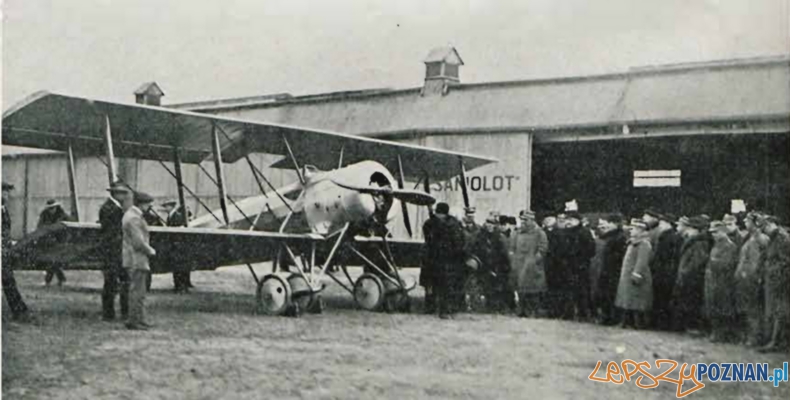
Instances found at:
x=441 y=69
x=149 y=93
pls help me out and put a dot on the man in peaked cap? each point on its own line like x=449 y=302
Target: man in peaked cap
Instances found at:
x=688 y=292
x=19 y=310
x=777 y=280
x=720 y=283
x=115 y=278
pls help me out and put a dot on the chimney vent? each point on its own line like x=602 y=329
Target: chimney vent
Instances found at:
x=441 y=69
x=149 y=93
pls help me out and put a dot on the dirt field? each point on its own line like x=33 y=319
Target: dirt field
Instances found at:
x=209 y=345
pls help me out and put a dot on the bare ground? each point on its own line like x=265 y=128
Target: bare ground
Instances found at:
x=210 y=345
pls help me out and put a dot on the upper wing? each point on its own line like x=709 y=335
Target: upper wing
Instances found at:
x=53 y=121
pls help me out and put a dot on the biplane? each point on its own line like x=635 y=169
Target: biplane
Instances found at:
x=335 y=215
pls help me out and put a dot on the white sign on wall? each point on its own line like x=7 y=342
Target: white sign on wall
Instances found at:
x=657 y=178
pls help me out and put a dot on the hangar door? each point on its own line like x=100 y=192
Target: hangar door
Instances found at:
x=683 y=175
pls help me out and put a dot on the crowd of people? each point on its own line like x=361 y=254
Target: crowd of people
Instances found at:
x=728 y=279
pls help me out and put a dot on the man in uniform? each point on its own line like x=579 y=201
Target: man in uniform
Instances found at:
x=136 y=252
x=664 y=269
x=115 y=277
x=52 y=214
x=488 y=247
x=578 y=251
x=777 y=281
x=19 y=310
x=444 y=241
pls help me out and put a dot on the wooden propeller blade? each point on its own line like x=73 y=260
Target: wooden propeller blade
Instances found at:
x=405 y=195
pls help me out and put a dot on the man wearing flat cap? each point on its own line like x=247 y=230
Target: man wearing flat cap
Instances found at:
x=688 y=293
x=136 y=253
x=115 y=278
x=53 y=213
x=720 y=283
x=17 y=305
x=777 y=282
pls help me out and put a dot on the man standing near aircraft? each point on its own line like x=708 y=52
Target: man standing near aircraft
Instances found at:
x=115 y=278
x=444 y=241
x=136 y=251
x=176 y=217
x=52 y=214
x=15 y=303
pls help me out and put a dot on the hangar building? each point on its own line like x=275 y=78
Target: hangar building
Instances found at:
x=686 y=138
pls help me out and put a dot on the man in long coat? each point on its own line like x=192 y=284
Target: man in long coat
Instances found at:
x=176 y=217
x=664 y=267
x=115 y=278
x=444 y=241
x=488 y=247
x=777 y=285
x=688 y=292
x=720 y=283
x=53 y=213
x=529 y=247
x=136 y=252
x=17 y=305
x=733 y=232
x=612 y=253
x=635 y=288
x=748 y=281
x=577 y=251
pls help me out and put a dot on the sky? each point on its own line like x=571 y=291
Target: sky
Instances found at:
x=203 y=50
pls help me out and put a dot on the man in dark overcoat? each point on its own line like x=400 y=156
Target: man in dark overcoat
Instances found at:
x=116 y=279
x=176 y=217
x=687 y=294
x=444 y=241
x=612 y=253
x=19 y=310
x=664 y=268
x=53 y=213
x=488 y=246
x=777 y=285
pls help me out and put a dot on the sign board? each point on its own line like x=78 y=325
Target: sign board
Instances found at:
x=657 y=178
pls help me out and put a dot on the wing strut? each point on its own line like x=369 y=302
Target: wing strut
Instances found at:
x=214 y=181
x=293 y=159
x=191 y=193
x=220 y=175
x=75 y=205
x=113 y=174
x=180 y=184
x=340 y=159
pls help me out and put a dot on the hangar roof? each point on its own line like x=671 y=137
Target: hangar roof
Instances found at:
x=743 y=89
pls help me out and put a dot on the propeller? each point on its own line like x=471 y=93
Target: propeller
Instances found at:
x=403 y=206
x=464 y=190
x=426 y=185
x=405 y=195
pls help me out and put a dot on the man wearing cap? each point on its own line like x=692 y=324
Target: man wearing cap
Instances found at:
x=529 y=247
x=777 y=285
x=488 y=248
x=610 y=228
x=52 y=214
x=748 y=281
x=652 y=217
x=635 y=287
x=731 y=222
x=664 y=267
x=577 y=251
x=136 y=252
x=688 y=292
x=444 y=242
x=17 y=305
x=176 y=217
x=720 y=283
x=115 y=277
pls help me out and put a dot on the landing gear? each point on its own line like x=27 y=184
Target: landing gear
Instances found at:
x=369 y=292
x=274 y=295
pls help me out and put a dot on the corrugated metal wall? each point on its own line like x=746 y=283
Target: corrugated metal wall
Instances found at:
x=503 y=187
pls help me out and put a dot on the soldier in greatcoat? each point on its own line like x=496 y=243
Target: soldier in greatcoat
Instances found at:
x=720 y=283
x=612 y=253
x=529 y=247
x=664 y=267
x=749 y=281
x=688 y=291
x=777 y=285
x=635 y=288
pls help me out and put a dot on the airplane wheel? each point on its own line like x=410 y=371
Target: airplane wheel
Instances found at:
x=369 y=292
x=301 y=292
x=274 y=295
x=474 y=295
